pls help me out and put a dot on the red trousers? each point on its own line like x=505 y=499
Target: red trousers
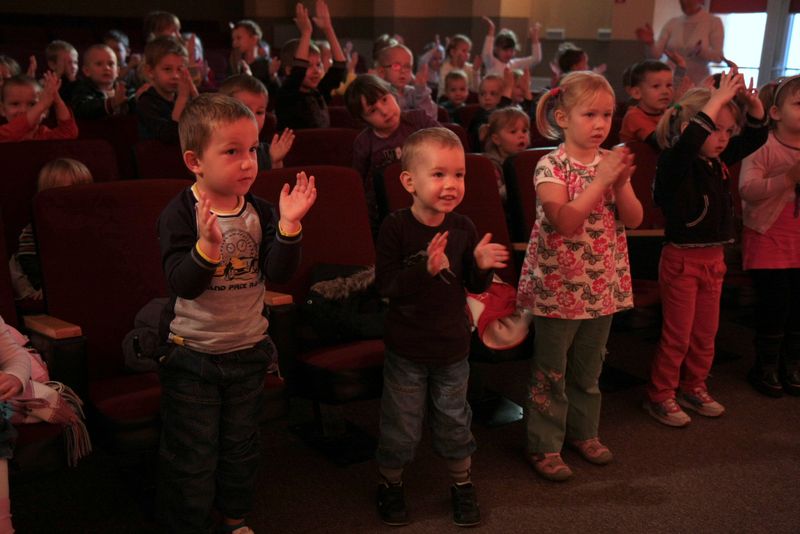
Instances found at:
x=690 y=280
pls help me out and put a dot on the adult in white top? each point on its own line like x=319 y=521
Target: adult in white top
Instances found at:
x=498 y=53
x=697 y=35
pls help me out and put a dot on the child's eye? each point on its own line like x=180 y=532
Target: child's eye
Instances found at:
x=438 y=174
x=459 y=175
x=231 y=151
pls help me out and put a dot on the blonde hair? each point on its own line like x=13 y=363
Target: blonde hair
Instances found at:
x=680 y=113
x=574 y=88
x=499 y=120
x=62 y=172
x=205 y=113
x=53 y=49
x=421 y=140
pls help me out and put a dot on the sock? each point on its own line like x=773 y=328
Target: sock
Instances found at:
x=5 y=516
x=460 y=470
x=391 y=476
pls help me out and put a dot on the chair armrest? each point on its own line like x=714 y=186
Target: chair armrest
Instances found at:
x=283 y=331
x=64 y=355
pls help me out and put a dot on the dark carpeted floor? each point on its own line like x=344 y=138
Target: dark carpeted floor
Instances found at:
x=739 y=473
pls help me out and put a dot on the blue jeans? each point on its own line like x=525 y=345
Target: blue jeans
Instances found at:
x=209 y=448
x=409 y=390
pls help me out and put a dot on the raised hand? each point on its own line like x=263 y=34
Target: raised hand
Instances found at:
x=755 y=107
x=281 y=145
x=302 y=20
x=645 y=34
x=32 y=66
x=294 y=205
x=730 y=84
x=322 y=18
x=120 y=95
x=51 y=83
x=490 y=25
x=490 y=255
x=208 y=227
x=534 y=32
x=676 y=58
x=437 y=259
x=421 y=79
x=10 y=386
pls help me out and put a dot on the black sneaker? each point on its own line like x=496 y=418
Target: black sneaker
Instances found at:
x=765 y=381
x=392 y=504
x=466 y=512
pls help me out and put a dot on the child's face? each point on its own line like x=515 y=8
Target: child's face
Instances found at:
x=383 y=116
x=587 y=124
x=228 y=166
x=512 y=139
x=718 y=140
x=504 y=54
x=101 y=67
x=787 y=115
x=256 y=102
x=435 y=62
x=327 y=57
x=166 y=75
x=396 y=68
x=17 y=100
x=489 y=93
x=66 y=64
x=120 y=50
x=314 y=72
x=459 y=54
x=243 y=41
x=436 y=180
x=518 y=91
x=655 y=92
x=456 y=90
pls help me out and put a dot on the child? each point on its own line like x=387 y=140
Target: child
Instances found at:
x=8 y=69
x=26 y=276
x=370 y=99
x=693 y=191
x=493 y=93
x=771 y=243
x=498 y=52
x=127 y=63
x=160 y=107
x=521 y=94
x=457 y=53
x=62 y=58
x=303 y=96
x=455 y=93
x=25 y=105
x=576 y=273
x=248 y=52
x=426 y=256
x=651 y=86
x=570 y=58
x=212 y=374
x=99 y=94
x=432 y=57
x=161 y=23
x=16 y=371
x=395 y=64
x=507 y=133
x=252 y=93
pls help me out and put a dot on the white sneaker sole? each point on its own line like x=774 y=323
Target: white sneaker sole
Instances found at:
x=700 y=410
x=665 y=419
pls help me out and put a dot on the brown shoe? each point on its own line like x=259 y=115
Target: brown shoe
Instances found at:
x=592 y=451
x=549 y=465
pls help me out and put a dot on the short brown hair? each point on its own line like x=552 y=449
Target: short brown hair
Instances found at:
x=203 y=114
x=62 y=172
x=20 y=80
x=96 y=47
x=242 y=82
x=455 y=75
x=160 y=47
x=52 y=50
x=370 y=87
x=289 y=49
x=419 y=141
x=156 y=21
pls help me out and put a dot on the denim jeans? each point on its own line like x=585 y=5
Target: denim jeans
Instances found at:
x=564 y=394
x=209 y=448
x=409 y=391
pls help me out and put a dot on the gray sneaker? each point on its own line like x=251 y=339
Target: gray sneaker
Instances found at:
x=667 y=412
x=701 y=402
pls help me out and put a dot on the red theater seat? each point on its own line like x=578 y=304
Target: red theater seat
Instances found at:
x=322 y=146
x=157 y=160
x=518 y=173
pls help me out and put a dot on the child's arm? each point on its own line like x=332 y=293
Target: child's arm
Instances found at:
x=422 y=94
x=186 y=91
x=52 y=84
x=303 y=23
x=758 y=182
x=629 y=209
x=393 y=276
x=15 y=364
x=755 y=132
x=487 y=54
x=567 y=216
x=280 y=146
x=323 y=22
x=535 y=58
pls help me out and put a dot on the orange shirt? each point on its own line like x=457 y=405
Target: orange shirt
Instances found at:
x=637 y=124
x=20 y=130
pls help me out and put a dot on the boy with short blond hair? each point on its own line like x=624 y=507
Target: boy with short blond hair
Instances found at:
x=253 y=93
x=100 y=94
x=426 y=256
x=455 y=94
x=218 y=245
x=395 y=64
x=651 y=85
x=25 y=104
x=159 y=108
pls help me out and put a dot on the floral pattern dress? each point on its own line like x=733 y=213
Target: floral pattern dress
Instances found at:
x=582 y=276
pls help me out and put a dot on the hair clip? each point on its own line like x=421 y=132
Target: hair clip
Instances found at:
x=555 y=91
x=677 y=107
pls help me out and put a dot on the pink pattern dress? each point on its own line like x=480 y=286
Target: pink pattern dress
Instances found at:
x=582 y=276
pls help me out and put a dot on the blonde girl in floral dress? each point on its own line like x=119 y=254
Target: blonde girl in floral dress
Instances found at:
x=576 y=273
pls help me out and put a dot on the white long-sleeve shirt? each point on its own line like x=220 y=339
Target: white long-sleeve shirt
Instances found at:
x=683 y=33
x=495 y=66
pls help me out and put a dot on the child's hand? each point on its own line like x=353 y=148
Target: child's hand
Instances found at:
x=302 y=20
x=490 y=26
x=534 y=32
x=352 y=62
x=437 y=259
x=293 y=206
x=281 y=145
x=208 y=227
x=32 y=66
x=323 y=16
x=490 y=255
x=645 y=34
x=676 y=58
x=244 y=67
x=627 y=172
x=729 y=84
x=600 y=69
x=186 y=87
x=755 y=108
x=142 y=90
x=274 y=66
x=610 y=167
x=421 y=79
x=120 y=95
x=51 y=83
x=10 y=386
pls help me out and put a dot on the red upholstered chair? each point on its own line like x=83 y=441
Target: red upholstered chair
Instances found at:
x=518 y=173
x=270 y=125
x=645 y=159
x=21 y=163
x=157 y=160
x=335 y=231
x=341 y=118
x=442 y=115
x=460 y=131
x=322 y=146
x=122 y=132
x=465 y=114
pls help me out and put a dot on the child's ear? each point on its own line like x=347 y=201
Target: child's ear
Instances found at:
x=495 y=139
x=774 y=113
x=408 y=182
x=85 y=70
x=192 y=162
x=684 y=125
x=635 y=92
x=561 y=118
